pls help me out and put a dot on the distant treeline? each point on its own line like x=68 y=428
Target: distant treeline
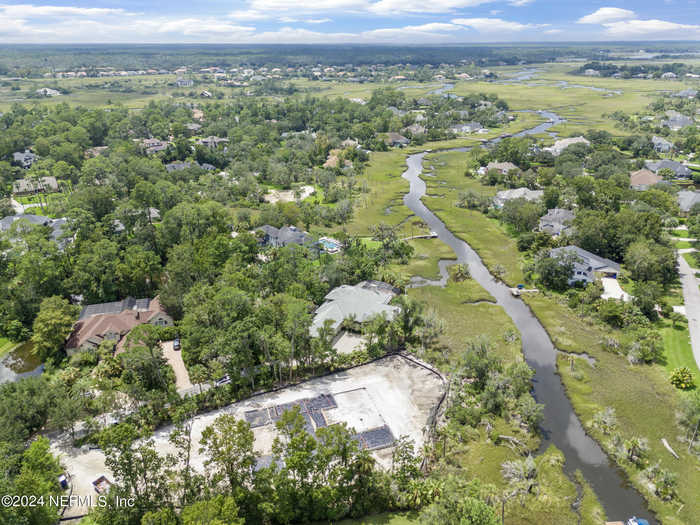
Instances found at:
x=607 y=69
x=33 y=60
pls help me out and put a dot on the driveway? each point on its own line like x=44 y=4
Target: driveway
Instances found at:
x=174 y=358
x=19 y=209
x=612 y=290
x=691 y=298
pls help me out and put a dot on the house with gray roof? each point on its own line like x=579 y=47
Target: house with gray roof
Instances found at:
x=57 y=226
x=587 y=266
x=24 y=159
x=677 y=121
x=677 y=168
x=686 y=93
x=360 y=303
x=395 y=139
x=687 y=199
x=518 y=193
x=661 y=145
x=284 y=236
x=556 y=221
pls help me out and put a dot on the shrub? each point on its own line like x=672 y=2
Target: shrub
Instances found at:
x=682 y=378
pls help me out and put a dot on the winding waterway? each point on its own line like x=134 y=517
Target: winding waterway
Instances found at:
x=561 y=427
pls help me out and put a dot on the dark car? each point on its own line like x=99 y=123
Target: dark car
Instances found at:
x=176 y=344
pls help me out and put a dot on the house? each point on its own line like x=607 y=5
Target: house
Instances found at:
x=24 y=159
x=179 y=166
x=31 y=186
x=677 y=121
x=560 y=145
x=360 y=302
x=47 y=92
x=587 y=266
x=57 y=226
x=212 y=142
x=502 y=167
x=518 y=193
x=151 y=146
x=469 y=127
x=556 y=221
x=668 y=75
x=113 y=321
x=91 y=153
x=686 y=93
x=687 y=199
x=644 y=179
x=205 y=94
x=414 y=129
x=394 y=139
x=591 y=73
x=677 y=168
x=184 y=82
x=661 y=145
x=193 y=127
x=284 y=236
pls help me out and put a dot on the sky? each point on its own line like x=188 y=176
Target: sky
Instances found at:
x=347 y=21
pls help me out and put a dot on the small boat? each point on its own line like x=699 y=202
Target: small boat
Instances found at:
x=637 y=521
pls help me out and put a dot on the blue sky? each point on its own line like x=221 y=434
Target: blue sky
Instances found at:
x=347 y=21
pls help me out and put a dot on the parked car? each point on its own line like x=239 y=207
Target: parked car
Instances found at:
x=223 y=381
x=176 y=344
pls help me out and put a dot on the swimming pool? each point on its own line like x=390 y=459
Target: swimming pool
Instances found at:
x=329 y=245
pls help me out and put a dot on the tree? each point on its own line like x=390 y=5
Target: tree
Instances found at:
x=52 y=326
x=219 y=510
x=555 y=272
x=228 y=446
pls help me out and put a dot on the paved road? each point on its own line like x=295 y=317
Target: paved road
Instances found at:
x=691 y=298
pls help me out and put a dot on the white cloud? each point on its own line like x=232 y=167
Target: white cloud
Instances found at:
x=198 y=26
x=607 y=14
x=520 y=3
x=381 y=7
x=24 y=11
x=658 y=29
x=491 y=25
x=291 y=20
x=553 y=31
x=308 y=5
x=249 y=15
x=393 y=7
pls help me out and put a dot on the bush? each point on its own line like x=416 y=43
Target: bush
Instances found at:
x=682 y=378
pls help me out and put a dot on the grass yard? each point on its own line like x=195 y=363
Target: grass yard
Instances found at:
x=690 y=259
x=679 y=245
x=5 y=346
x=678 y=350
x=644 y=400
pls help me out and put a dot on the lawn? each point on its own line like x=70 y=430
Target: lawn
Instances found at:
x=678 y=350
x=5 y=346
x=679 y=245
x=644 y=400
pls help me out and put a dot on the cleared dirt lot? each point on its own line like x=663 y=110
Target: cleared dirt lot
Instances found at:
x=391 y=392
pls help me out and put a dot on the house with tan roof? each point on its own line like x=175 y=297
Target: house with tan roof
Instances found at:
x=113 y=321
x=644 y=179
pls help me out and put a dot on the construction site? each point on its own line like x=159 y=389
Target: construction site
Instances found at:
x=381 y=401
